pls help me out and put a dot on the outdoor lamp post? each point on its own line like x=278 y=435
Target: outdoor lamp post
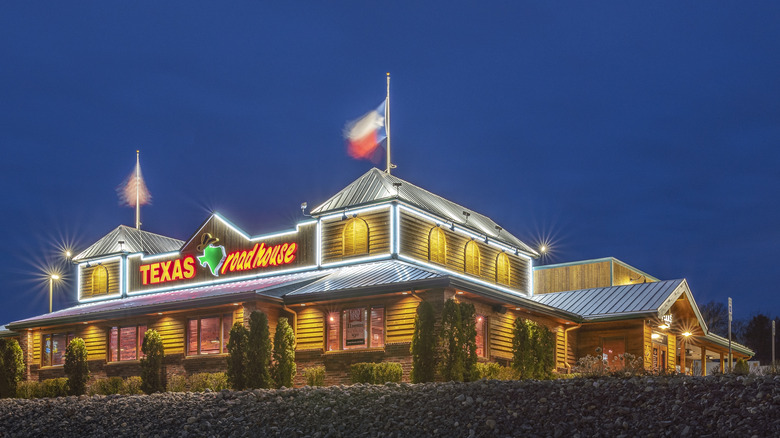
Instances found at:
x=51 y=287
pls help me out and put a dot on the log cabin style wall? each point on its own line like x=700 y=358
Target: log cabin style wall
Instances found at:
x=100 y=280
x=378 y=228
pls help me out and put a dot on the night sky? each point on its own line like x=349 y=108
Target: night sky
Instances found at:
x=645 y=131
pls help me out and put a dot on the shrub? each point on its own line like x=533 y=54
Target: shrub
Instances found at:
x=376 y=373
x=76 y=367
x=177 y=383
x=45 y=388
x=213 y=381
x=314 y=376
x=237 y=353
x=133 y=385
x=423 y=347
x=283 y=370
x=11 y=366
x=741 y=368
x=258 y=367
x=452 y=363
x=490 y=370
x=533 y=348
x=111 y=385
x=589 y=366
x=27 y=389
x=152 y=379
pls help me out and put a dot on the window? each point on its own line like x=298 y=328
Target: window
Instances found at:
x=53 y=348
x=355 y=239
x=437 y=246
x=612 y=351
x=209 y=335
x=99 y=280
x=124 y=343
x=472 y=258
x=481 y=325
x=502 y=269
x=360 y=327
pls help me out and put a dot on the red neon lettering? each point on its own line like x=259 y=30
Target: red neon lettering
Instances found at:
x=166 y=274
x=289 y=254
x=155 y=273
x=189 y=267
x=145 y=274
x=171 y=270
x=226 y=264
x=260 y=256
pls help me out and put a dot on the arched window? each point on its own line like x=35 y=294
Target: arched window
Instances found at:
x=355 y=237
x=99 y=280
x=502 y=269
x=437 y=246
x=472 y=258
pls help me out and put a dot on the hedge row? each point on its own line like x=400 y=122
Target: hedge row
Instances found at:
x=376 y=373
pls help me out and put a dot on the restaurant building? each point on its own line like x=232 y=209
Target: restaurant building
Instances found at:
x=349 y=277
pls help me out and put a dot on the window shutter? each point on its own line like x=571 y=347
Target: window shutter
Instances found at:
x=472 y=258
x=502 y=269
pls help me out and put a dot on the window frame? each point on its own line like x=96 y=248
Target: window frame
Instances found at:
x=69 y=336
x=335 y=322
x=139 y=341
x=223 y=336
x=354 y=251
x=94 y=286
x=442 y=245
x=508 y=269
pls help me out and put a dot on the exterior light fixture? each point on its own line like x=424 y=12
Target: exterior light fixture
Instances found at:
x=344 y=215
x=303 y=304
x=686 y=334
x=404 y=293
x=235 y=304
x=663 y=326
x=460 y=292
x=655 y=336
x=303 y=209
x=159 y=313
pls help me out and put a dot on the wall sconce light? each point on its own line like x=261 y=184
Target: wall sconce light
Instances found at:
x=344 y=215
x=303 y=209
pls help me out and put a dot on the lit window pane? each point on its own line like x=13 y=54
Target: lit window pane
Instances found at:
x=46 y=347
x=227 y=324
x=59 y=343
x=128 y=340
x=113 y=344
x=209 y=335
x=192 y=336
x=141 y=334
x=355 y=328
x=378 y=327
x=480 y=326
x=333 y=331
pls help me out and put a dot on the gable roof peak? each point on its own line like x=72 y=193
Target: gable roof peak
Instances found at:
x=124 y=239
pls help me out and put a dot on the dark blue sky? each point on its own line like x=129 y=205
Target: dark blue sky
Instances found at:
x=648 y=132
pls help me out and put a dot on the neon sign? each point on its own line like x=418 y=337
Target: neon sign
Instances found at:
x=260 y=256
x=172 y=270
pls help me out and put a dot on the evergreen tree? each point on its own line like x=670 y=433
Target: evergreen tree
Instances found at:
x=423 y=347
x=76 y=366
x=11 y=366
x=468 y=341
x=152 y=379
x=283 y=369
x=533 y=348
x=237 y=356
x=453 y=358
x=258 y=368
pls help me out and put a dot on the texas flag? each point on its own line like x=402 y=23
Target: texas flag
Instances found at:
x=366 y=133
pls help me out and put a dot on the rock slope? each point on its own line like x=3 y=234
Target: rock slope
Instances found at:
x=606 y=407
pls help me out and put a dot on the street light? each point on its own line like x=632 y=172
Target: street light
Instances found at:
x=51 y=287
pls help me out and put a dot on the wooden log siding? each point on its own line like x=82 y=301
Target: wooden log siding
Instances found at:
x=671 y=352
x=622 y=275
x=648 y=350
x=172 y=331
x=96 y=339
x=585 y=276
x=113 y=280
x=36 y=346
x=399 y=320
x=415 y=232
x=378 y=236
x=311 y=329
x=501 y=335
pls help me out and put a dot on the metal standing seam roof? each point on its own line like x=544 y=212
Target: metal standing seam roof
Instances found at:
x=268 y=286
x=135 y=241
x=376 y=185
x=605 y=302
x=367 y=275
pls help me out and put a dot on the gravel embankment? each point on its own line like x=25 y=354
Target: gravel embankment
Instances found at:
x=607 y=407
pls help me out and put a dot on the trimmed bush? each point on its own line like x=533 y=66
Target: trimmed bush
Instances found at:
x=237 y=356
x=213 y=381
x=423 y=346
x=741 y=368
x=45 y=388
x=111 y=385
x=76 y=367
x=11 y=366
x=283 y=370
x=258 y=367
x=533 y=348
x=375 y=373
x=177 y=383
x=494 y=371
x=133 y=385
x=314 y=376
x=152 y=378
x=27 y=389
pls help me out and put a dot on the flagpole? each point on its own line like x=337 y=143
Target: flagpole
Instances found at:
x=387 y=124
x=137 y=187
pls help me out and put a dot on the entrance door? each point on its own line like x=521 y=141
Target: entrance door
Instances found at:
x=613 y=350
